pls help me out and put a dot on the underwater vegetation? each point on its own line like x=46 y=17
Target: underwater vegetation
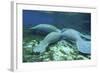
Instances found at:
x=60 y=51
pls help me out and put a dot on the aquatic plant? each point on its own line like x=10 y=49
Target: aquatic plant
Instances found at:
x=59 y=51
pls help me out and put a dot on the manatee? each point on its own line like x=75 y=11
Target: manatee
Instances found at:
x=55 y=34
x=45 y=28
x=70 y=34
x=84 y=36
x=50 y=38
x=73 y=35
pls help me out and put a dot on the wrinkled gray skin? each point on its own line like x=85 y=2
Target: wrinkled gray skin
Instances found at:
x=50 y=38
x=73 y=35
x=54 y=34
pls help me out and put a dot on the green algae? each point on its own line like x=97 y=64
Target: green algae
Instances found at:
x=59 y=51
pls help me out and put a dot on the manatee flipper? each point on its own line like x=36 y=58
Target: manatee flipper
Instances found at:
x=45 y=28
x=84 y=46
x=50 y=38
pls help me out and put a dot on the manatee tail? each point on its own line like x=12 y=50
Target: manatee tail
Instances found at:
x=41 y=47
x=84 y=46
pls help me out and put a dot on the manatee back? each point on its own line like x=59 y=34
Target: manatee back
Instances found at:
x=71 y=34
x=46 y=28
x=52 y=37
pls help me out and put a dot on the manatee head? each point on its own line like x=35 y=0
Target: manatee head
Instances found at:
x=40 y=48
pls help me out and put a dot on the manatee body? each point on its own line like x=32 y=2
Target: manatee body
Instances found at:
x=50 y=38
x=70 y=34
x=45 y=28
x=73 y=35
x=86 y=37
x=54 y=34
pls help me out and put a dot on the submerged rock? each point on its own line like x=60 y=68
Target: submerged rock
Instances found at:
x=59 y=51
